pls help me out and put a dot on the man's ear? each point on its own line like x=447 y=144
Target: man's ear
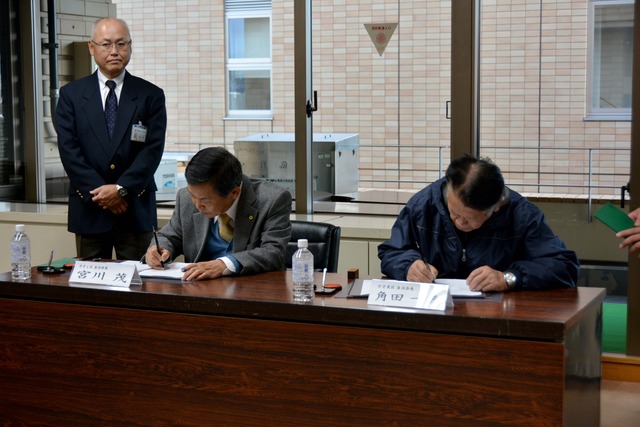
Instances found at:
x=235 y=192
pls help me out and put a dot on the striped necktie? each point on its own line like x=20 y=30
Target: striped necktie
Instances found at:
x=224 y=227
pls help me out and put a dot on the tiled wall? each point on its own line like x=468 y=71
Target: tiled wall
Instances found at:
x=533 y=94
x=74 y=22
x=533 y=86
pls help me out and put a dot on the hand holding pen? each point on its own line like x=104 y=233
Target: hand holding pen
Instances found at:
x=155 y=256
x=422 y=271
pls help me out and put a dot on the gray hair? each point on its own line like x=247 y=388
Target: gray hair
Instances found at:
x=121 y=21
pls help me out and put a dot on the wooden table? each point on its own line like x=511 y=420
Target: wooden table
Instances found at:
x=238 y=351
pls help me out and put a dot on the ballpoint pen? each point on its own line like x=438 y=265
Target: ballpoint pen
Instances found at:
x=50 y=261
x=155 y=236
x=430 y=268
x=50 y=269
x=324 y=277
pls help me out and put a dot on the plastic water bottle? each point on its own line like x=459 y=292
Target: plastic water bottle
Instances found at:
x=20 y=255
x=302 y=266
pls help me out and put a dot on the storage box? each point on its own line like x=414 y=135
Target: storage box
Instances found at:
x=166 y=178
x=271 y=156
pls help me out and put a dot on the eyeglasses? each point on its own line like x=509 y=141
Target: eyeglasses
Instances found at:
x=107 y=46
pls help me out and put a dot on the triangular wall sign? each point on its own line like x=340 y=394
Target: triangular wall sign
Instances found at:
x=380 y=34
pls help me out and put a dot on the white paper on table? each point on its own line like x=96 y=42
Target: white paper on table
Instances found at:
x=172 y=270
x=459 y=288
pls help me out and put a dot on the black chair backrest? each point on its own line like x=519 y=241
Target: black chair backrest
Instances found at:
x=324 y=243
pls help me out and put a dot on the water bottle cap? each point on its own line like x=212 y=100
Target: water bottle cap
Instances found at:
x=20 y=227
x=303 y=243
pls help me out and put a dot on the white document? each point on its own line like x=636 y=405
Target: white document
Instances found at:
x=172 y=270
x=459 y=288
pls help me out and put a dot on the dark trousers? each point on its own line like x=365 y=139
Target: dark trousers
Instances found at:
x=127 y=245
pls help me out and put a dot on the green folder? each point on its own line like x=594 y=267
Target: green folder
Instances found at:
x=59 y=263
x=614 y=218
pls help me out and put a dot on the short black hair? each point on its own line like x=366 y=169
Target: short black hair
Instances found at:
x=478 y=182
x=216 y=166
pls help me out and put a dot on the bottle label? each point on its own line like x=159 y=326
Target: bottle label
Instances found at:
x=302 y=272
x=19 y=254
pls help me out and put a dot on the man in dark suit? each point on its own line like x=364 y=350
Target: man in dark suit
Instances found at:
x=111 y=129
x=224 y=222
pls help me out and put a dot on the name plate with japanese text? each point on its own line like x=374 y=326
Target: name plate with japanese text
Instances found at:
x=395 y=293
x=112 y=274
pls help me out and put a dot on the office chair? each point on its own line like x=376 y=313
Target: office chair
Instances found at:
x=324 y=243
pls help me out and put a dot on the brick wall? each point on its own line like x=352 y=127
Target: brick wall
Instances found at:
x=533 y=87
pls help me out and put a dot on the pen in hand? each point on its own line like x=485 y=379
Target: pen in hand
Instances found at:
x=431 y=270
x=155 y=236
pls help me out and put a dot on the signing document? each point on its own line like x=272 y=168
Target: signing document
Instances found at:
x=171 y=271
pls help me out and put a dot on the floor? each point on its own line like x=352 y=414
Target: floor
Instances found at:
x=619 y=404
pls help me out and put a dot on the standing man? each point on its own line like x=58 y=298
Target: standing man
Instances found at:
x=111 y=130
x=469 y=225
x=224 y=222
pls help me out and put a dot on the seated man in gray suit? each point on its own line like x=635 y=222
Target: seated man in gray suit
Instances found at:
x=224 y=222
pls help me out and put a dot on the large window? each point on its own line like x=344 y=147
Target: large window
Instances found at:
x=12 y=169
x=534 y=93
x=611 y=39
x=248 y=60
x=235 y=60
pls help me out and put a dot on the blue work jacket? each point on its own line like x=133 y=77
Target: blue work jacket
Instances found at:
x=517 y=238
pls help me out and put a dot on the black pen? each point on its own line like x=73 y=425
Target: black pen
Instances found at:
x=429 y=267
x=358 y=296
x=155 y=236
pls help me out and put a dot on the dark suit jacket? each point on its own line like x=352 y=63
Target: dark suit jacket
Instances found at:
x=91 y=159
x=262 y=227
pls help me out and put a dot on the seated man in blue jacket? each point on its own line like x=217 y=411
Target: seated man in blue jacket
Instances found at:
x=469 y=225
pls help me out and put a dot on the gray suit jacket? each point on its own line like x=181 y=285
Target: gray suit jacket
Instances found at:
x=262 y=227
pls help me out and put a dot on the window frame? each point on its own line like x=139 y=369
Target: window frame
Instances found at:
x=592 y=113
x=248 y=64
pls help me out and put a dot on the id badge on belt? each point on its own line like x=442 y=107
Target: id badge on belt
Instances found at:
x=139 y=133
